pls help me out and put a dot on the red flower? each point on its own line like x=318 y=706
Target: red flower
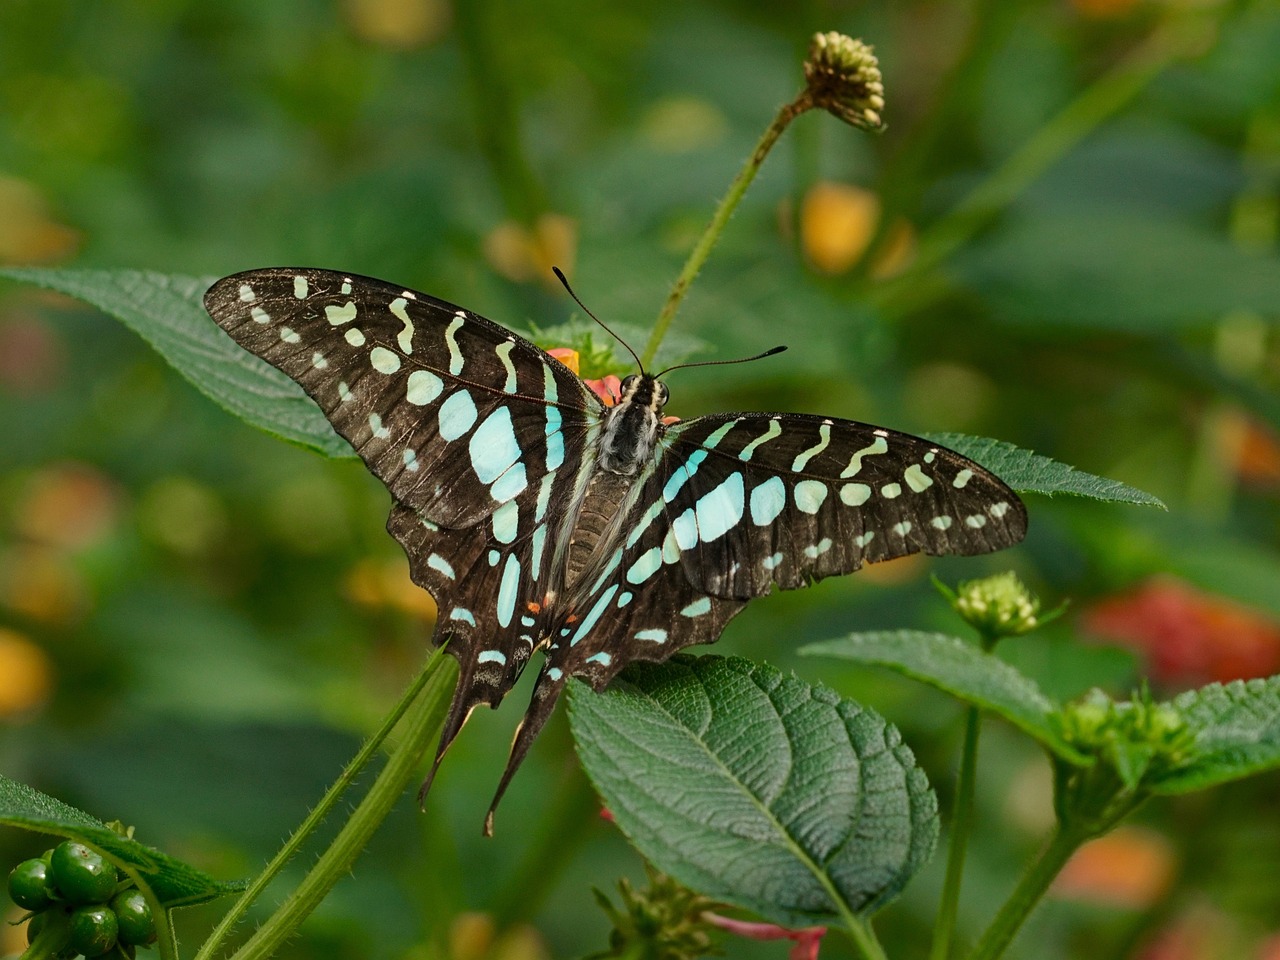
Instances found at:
x=807 y=940
x=1188 y=635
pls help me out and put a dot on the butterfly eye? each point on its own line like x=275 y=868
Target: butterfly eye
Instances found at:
x=663 y=393
x=628 y=382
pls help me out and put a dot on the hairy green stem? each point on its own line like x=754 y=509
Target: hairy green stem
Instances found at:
x=961 y=829
x=702 y=249
x=1027 y=894
x=424 y=703
x=1103 y=99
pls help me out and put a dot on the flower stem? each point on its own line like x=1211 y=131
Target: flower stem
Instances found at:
x=1180 y=37
x=702 y=249
x=424 y=703
x=961 y=828
x=1027 y=894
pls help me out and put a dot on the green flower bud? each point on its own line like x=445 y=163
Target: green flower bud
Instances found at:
x=844 y=79
x=999 y=606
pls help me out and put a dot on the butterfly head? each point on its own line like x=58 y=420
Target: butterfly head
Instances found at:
x=645 y=390
x=633 y=425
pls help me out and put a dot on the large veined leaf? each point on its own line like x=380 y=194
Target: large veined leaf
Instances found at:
x=1237 y=733
x=1029 y=472
x=757 y=788
x=962 y=669
x=167 y=312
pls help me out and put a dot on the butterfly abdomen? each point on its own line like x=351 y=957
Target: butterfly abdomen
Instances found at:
x=597 y=516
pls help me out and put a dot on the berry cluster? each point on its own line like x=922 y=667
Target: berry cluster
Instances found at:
x=80 y=906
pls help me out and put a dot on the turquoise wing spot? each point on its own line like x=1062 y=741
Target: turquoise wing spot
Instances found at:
x=493 y=446
x=451 y=339
x=384 y=361
x=457 y=415
x=774 y=430
x=810 y=495
x=597 y=610
x=698 y=608
x=719 y=511
x=646 y=566
x=337 y=315
x=405 y=337
x=824 y=439
x=508 y=590
x=506 y=522
x=768 y=501
x=916 y=478
x=877 y=446
x=423 y=387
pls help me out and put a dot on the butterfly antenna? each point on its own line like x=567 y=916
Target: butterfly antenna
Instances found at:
x=561 y=277
x=716 y=363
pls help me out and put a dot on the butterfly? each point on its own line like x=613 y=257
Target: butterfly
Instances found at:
x=542 y=519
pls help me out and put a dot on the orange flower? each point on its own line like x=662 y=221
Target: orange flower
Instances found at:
x=1187 y=635
x=1129 y=868
x=608 y=388
x=837 y=223
x=523 y=253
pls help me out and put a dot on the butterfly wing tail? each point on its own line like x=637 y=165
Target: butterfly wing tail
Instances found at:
x=543 y=703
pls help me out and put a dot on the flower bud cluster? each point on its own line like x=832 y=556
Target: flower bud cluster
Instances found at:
x=844 y=79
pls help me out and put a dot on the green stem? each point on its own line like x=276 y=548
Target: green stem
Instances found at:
x=1107 y=96
x=859 y=929
x=425 y=705
x=961 y=829
x=864 y=938
x=1027 y=894
x=702 y=249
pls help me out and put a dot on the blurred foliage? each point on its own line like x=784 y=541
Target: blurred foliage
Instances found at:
x=197 y=623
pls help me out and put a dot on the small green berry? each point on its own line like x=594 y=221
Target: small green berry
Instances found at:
x=30 y=885
x=136 y=924
x=93 y=930
x=82 y=875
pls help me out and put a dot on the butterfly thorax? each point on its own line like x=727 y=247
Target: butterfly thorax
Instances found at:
x=632 y=426
x=631 y=429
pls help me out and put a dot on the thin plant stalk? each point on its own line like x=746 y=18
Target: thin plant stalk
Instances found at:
x=1171 y=42
x=1030 y=889
x=958 y=847
x=423 y=709
x=702 y=249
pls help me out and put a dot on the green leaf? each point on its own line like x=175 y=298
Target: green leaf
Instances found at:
x=1237 y=734
x=167 y=312
x=962 y=670
x=174 y=883
x=757 y=789
x=1029 y=472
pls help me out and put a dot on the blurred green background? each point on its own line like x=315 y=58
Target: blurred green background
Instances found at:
x=1065 y=239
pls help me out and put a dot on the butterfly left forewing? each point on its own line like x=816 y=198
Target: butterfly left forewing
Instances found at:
x=447 y=408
